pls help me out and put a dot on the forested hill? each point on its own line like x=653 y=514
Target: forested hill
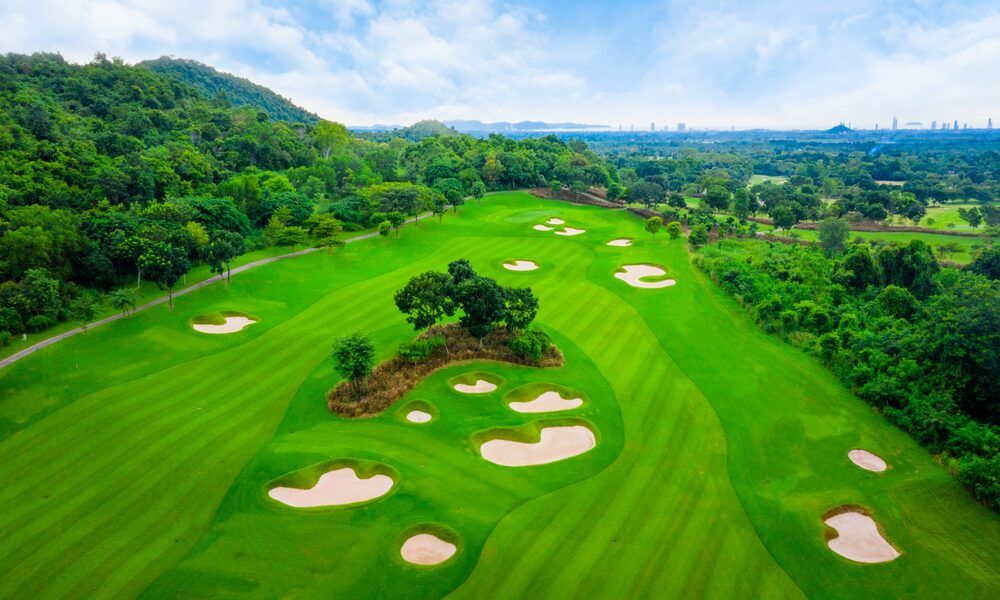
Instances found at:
x=237 y=90
x=112 y=176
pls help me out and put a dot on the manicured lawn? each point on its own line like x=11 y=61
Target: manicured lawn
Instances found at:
x=136 y=457
x=932 y=239
x=944 y=217
x=755 y=179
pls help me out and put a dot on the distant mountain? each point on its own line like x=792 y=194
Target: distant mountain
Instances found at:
x=502 y=126
x=239 y=91
x=840 y=129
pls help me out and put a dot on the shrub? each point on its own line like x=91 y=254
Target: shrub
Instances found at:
x=39 y=323
x=530 y=344
x=5 y=338
x=420 y=348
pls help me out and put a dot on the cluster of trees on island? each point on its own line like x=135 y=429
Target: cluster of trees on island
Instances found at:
x=920 y=342
x=494 y=323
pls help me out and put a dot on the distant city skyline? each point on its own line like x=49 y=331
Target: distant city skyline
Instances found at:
x=713 y=64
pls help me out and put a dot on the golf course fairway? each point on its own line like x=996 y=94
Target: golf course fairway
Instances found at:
x=137 y=457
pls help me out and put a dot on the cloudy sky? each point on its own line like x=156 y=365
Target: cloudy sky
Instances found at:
x=772 y=63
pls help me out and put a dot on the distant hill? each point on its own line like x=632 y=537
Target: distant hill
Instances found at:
x=502 y=126
x=239 y=91
x=840 y=129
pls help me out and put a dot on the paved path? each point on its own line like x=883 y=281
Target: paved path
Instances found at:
x=197 y=286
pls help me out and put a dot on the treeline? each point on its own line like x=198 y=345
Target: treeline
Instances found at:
x=919 y=342
x=111 y=173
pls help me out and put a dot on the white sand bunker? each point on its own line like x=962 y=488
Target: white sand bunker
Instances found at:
x=418 y=416
x=634 y=274
x=556 y=221
x=427 y=549
x=866 y=460
x=231 y=325
x=570 y=231
x=547 y=402
x=556 y=443
x=620 y=243
x=340 y=486
x=480 y=387
x=541 y=227
x=520 y=265
x=858 y=539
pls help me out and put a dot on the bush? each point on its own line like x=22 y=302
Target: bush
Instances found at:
x=419 y=349
x=39 y=323
x=5 y=338
x=530 y=344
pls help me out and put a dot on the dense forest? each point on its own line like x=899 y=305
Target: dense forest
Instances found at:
x=112 y=173
x=236 y=90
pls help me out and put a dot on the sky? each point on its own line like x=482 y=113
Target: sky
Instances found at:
x=710 y=64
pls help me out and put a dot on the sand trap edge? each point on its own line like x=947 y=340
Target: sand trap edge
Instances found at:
x=438 y=530
x=470 y=378
x=830 y=533
x=421 y=405
x=530 y=391
x=308 y=477
x=531 y=432
x=219 y=318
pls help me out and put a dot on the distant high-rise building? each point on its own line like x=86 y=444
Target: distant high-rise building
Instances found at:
x=631 y=127
x=965 y=125
x=933 y=125
x=876 y=126
x=652 y=126
x=682 y=127
x=666 y=128
x=989 y=123
x=619 y=128
x=955 y=126
x=895 y=124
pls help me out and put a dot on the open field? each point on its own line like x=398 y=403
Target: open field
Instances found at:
x=944 y=217
x=932 y=239
x=137 y=457
x=755 y=179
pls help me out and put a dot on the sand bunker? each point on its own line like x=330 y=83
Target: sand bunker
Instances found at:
x=866 y=460
x=570 y=231
x=858 y=539
x=620 y=243
x=232 y=325
x=633 y=275
x=541 y=227
x=481 y=387
x=340 y=486
x=556 y=443
x=427 y=549
x=520 y=265
x=555 y=221
x=418 y=416
x=547 y=402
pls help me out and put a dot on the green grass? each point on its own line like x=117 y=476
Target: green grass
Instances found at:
x=755 y=179
x=944 y=217
x=136 y=457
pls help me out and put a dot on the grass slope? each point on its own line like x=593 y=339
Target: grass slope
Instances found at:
x=136 y=457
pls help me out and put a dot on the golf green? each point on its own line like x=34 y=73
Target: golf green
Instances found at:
x=136 y=458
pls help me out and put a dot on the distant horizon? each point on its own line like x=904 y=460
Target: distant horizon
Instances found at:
x=762 y=65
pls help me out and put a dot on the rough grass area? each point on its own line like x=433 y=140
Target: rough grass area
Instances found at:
x=395 y=377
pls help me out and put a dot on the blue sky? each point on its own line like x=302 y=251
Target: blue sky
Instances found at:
x=711 y=64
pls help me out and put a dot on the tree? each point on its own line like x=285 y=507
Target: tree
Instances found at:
x=653 y=225
x=555 y=186
x=520 y=308
x=897 y=302
x=911 y=266
x=326 y=229
x=329 y=135
x=483 y=303
x=274 y=227
x=991 y=214
x=744 y=204
x=478 y=190
x=460 y=270
x=857 y=269
x=397 y=219
x=833 y=234
x=674 y=230
x=783 y=217
x=222 y=249
x=199 y=237
x=717 y=197
x=124 y=300
x=384 y=228
x=698 y=236
x=677 y=201
x=292 y=236
x=426 y=299
x=353 y=357
x=165 y=264
x=578 y=188
x=83 y=308
x=971 y=216
x=987 y=264
x=647 y=193
x=948 y=249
